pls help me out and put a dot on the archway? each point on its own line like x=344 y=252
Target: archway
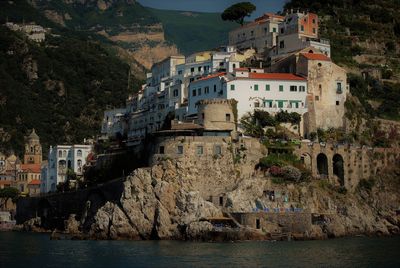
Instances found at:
x=322 y=165
x=338 y=168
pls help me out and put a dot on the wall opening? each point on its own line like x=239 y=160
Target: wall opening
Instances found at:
x=258 y=225
x=338 y=168
x=322 y=165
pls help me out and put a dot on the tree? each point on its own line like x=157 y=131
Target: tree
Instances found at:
x=6 y=194
x=238 y=12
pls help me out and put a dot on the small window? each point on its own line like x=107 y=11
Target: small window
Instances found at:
x=227 y=117
x=199 y=150
x=313 y=21
x=192 y=70
x=281 y=44
x=215 y=88
x=274 y=30
x=203 y=116
x=302 y=88
x=258 y=224
x=302 y=28
x=60 y=153
x=314 y=30
x=221 y=200
x=255 y=87
x=280 y=88
x=206 y=90
x=256 y=104
x=191 y=80
x=217 y=150
x=199 y=91
x=267 y=88
x=199 y=69
x=337 y=103
x=194 y=92
x=232 y=87
x=179 y=72
x=252 y=33
x=280 y=104
x=79 y=153
x=293 y=88
x=180 y=149
x=161 y=150
x=339 y=87
x=317 y=98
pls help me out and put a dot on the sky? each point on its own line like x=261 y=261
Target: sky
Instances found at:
x=213 y=5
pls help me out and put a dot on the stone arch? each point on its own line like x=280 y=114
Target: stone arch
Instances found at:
x=306 y=160
x=338 y=168
x=322 y=165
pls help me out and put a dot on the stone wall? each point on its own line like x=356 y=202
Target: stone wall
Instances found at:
x=358 y=162
x=294 y=222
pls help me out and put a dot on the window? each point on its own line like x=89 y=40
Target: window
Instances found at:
x=232 y=87
x=280 y=104
x=199 y=150
x=203 y=116
x=252 y=33
x=215 y=88
x=79 y=163
x=267 y=87
x=206 y=90
x=217 y=150
x=338 y=87
x=175 y=93
x=161 y=150
x=317 y=98
x=199 y=91
x=227 y=117
x=180 y=72
x=221 y=200
x=191 y=80
x=313 y=21
x=294 y=104
x=180 y=149
x=302 y=28
x=194 y=93
x=282 y=44
x=293 y=88
x=337 y=103
x=282 y=30
x=221 y=64
x=59 y=153
x=192 y=70
x=199 y=69
x=274 y=29
x=302 y=88
x=258 y=225
x=268 y=103
x=314 y=30
x=256 y=104
x=280 y=88
x=255 y=87
x=79 y=153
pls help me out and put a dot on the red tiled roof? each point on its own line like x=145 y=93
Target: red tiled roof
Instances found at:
x=276 y=76
x=242 y=69
x=210 y=76
x=34 y=182
x=34 y=168
x=315 y=56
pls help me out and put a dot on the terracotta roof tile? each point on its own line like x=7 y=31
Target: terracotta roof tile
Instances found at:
x=315 y=56
x=34 y=182
x=210 y=77
x=276 y=76
x=34 y=168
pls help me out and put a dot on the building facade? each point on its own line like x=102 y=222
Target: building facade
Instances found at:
x=63 y=159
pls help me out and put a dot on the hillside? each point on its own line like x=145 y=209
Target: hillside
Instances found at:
x=193 y=31
x=60 y=88
x=365 y=39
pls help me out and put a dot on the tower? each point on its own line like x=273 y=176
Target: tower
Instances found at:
x=33 y=149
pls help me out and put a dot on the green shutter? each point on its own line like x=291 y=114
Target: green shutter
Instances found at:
x=267 y=87
x=280 y=87
x=255 y=87
x=232 y=87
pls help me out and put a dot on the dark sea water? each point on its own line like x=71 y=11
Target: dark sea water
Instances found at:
x=37 y=250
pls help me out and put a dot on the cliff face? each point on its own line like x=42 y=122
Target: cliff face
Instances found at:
x=160 y=203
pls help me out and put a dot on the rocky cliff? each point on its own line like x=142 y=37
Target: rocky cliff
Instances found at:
x=160 y=203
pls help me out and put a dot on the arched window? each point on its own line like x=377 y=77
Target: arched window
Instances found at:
x=62 y=164
x=59 y=153
x=79 y=153
x=64 y=153
x=79 y=163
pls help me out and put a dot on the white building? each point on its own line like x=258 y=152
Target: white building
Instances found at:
x=113 y=122
x=34 y=32
x=260 y=34
x=253 y=89
x=62 y=158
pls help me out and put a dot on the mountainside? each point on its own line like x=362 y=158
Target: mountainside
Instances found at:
x=61 y=88
x=365 y=39
x=194 y=31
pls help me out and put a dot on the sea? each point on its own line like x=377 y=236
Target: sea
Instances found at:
x=37 y=250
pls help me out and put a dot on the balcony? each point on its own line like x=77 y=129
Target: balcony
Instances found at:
x=274 y=110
